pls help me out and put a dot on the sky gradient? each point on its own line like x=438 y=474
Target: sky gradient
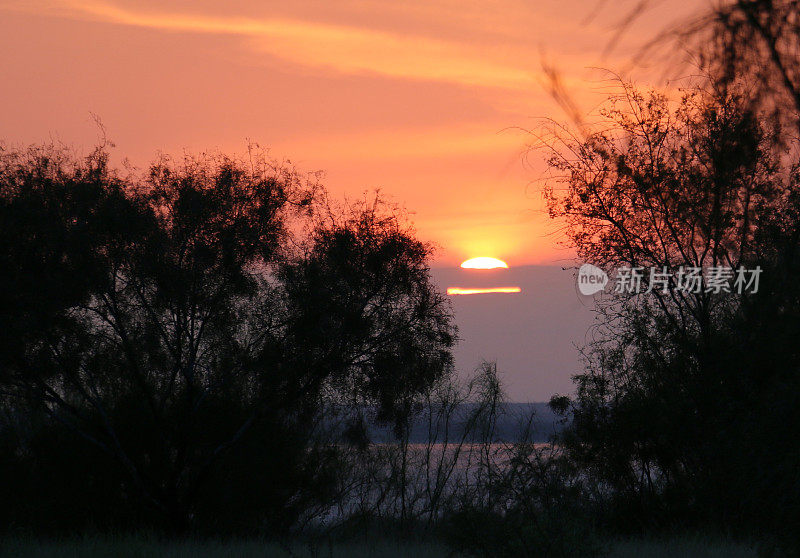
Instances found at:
x=429 y=101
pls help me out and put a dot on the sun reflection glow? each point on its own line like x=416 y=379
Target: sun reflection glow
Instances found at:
x=462 y=291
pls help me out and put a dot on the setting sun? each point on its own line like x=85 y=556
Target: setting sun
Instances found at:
x=484 y=263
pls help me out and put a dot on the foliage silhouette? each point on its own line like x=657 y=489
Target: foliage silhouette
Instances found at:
x=172 y=337
x=682 y=414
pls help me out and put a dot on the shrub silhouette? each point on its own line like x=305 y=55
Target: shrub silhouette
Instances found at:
x=682 y=414
x=170 y=337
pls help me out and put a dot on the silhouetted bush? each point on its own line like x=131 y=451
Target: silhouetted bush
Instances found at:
x=173 y=339
x=684 y=412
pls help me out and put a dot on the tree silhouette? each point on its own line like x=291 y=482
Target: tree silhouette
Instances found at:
x=180 y=328
x=755 y=42
x=682 y=387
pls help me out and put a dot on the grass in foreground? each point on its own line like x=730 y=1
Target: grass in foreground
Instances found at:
x=146 y=547
x=681 y=547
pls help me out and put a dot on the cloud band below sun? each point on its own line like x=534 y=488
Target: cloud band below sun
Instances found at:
x=471 y=291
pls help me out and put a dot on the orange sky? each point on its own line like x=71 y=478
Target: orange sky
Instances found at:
x=419 y=99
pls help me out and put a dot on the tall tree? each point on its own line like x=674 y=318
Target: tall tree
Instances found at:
x=679 y=380
x=197 y=331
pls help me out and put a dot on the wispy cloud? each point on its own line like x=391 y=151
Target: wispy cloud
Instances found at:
x=340 y=48
x=418 y=144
